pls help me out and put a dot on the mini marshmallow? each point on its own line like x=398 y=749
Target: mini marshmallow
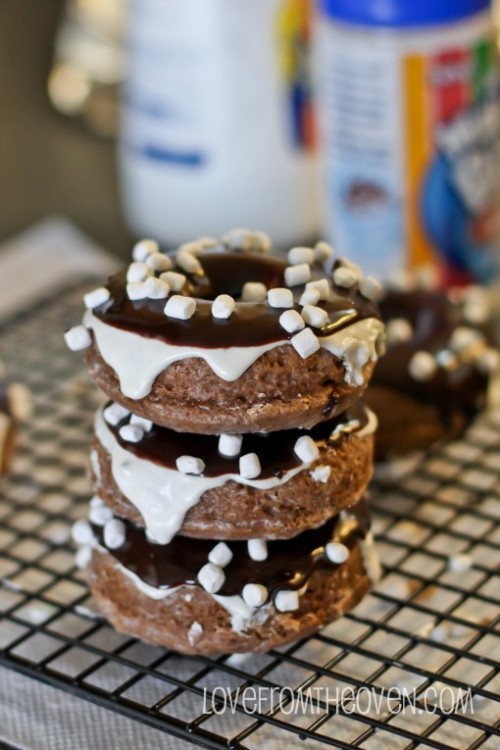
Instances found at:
x=100 y=514
x=244 y=239
x=181 y=308
x=144 y=424
x=337 y=553
x=114 y=533
x=190 y=465
x=254 y=594
x=369 y=287
x=250 y=466
x=77 y=338
x=223 y=306
x=345 y=277
x=463 y=337
x=137 y=290
x=139 y=272
x=299 y=274
x=280 y=297
x=261 y=242
x=257 y=549
x=291 y=321
x=114 y=413
x=143 y=249
x=488 y=361
x=460 y=563
x=286 y=601
x=96 y=502
x=323 y=251
x=314 y=316
x=253 y=291
x=306 y=449
x=422 y=366
x=159 y=262
x=207 y=242
x=220 y=555
x=156 y=289
x=194 y=632
x=230 y=445
x=96 y=297
x=477 y=305
x=322 y=286
x=305 y=343
x=321 y=474
x=211 y=578
x=174 y=280
x=132 y=433
x=398 y=330
x=401 y=281
x=346 y=263
x=193 y=248
x=83 y=557
x=299 y=255
x=82 y=533
x=309 y=296
x=188 y=262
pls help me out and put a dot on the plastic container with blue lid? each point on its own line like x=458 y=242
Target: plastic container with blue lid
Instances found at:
x=408 y=98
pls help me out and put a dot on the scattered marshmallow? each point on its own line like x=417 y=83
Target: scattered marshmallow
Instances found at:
x=220 y=555
x=244 y=239
x=257 y=549
x=82 y=533
x=223 y=306
x=96 y=297
x=114 y=413
x=254 y=594
x=299 y=274
x=287 y=601
x=369 y=287
x=114 y=533
x=345 y=277
x=309 y=296
x=321 y=474
x=156 y=288
x=143 y=249
x=401 y=281
x=488 y=361
x=190 y=465
x=422 y=366
x=477 y=305
x=460 y=563
x=77 y=338
x=254 y=291
x=323 y=251
x=230 y=445
x=139 y=272
x=100 y=514
x=207 y=242
x=463 y=338
x=398 y=330
x=132 y=433
x=280 y=297
x=305 y=343
x=193 y=248
x=188 y=262
x=179 y=307
x=314 y=316
x=250 y=466
x=306 y=449
x=291 y=321
x=299 y=255
x=336 y=552
x=137 y=290
x=194 y=632
x=174 y=280
x=145 y=424
x=322 y=286
x=211 y=577
x=159 y=262
x=83 y=557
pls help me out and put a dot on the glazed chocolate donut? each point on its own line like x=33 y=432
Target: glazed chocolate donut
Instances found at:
x=434 y=377
x=167 y=595
x=217 y=344
x=287 y=494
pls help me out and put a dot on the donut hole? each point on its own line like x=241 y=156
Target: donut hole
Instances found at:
x=228 y=274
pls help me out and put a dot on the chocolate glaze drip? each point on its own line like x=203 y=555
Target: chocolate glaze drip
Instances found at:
x=252 y=324
x=163 y=446
x=289 y=563
x=433 y=319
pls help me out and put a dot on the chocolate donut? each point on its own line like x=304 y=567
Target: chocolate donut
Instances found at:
x=161 y=593
x=6 y=429
x=219 y=344
x=140 y=480
x=434 y=376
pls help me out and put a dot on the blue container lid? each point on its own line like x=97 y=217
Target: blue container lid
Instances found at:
x=401 y=13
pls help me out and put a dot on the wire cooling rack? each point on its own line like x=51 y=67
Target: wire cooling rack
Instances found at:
x=414 y=665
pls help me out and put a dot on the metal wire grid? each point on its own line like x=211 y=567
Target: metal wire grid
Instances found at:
x=423 y=626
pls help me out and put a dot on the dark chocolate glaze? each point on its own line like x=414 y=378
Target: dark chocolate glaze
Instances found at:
x=163 y=446
x=252 y=323
x=433 y=319
x=289 y=563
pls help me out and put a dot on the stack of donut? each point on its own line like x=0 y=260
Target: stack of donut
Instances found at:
x=230 y=463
